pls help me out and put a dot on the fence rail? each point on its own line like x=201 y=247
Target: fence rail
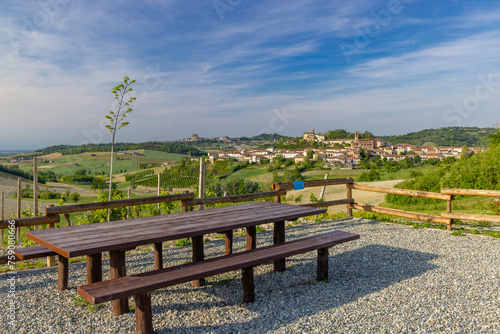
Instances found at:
x=65 y=209
x=280 y=189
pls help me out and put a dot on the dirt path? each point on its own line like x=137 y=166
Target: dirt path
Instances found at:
x=339 y=192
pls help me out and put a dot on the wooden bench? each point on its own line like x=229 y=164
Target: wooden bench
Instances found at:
x=140 y=286
x=35 y=252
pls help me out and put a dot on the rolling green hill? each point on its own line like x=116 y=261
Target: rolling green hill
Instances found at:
x=452 y=136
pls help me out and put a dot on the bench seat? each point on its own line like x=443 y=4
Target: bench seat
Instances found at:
x=141 y=285
x=33 y=252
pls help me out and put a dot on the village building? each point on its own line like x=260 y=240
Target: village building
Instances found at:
x=363 y=143
x=312 y=136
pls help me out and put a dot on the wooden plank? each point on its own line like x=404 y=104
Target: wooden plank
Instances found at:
x=116 y=204
x=329 y=203
x=400 y=213
x=31 y=221
x=234 y=198
x=81 y=240
x=313 y=183
x=404 y=192
x=33 y=252
x=471 y=192
x=147 y=282
x=473 y=217
x=107 y=231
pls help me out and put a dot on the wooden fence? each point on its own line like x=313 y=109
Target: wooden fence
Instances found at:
x=52 y=213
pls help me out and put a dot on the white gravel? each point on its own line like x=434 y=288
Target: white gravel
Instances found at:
x=395 y=279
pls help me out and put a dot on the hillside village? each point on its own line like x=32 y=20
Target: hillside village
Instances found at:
x=345 y=152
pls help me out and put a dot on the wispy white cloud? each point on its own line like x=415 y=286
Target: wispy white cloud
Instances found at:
x=226 y=77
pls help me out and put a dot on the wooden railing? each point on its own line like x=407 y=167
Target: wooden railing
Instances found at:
x=280 y=189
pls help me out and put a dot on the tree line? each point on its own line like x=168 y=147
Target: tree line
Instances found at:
x=166 y=147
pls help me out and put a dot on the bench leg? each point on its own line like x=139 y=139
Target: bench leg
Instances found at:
x=158 y=255
x=94 y=268
x=279 y=237
x=198 y=255
x=117 y=269
x=62 y=273
x=229 y=242
x=143 y=314
x=322 y=269
x=251 y=237
x=247 y=285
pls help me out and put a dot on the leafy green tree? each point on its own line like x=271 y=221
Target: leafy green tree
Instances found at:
x=117 y=118
x=495 y=137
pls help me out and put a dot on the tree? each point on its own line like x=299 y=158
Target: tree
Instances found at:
x=117 y=119
x=495 y=137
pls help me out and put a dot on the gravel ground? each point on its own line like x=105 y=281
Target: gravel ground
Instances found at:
x=395 y=279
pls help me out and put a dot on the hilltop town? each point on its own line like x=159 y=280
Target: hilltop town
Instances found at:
x=345 y=152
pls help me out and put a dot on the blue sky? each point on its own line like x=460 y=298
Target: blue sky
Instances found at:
x=241 y=67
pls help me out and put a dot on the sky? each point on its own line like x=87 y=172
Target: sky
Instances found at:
x=241 y=68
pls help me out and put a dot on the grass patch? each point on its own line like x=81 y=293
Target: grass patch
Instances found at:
x=457 y=233
x=183 y=242
x=79 y=301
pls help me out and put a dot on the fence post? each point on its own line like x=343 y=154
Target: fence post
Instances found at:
x=18 y=215
x=128 y=207
x=50 y=259
x=201 y=188
x=159 y=188
x=448 y=210
x=2 y=202
x=322 y=194
x=35 y=189
x=349 y=196
x=184 y=207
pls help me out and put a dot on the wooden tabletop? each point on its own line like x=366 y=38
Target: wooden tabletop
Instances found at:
x=89 y=239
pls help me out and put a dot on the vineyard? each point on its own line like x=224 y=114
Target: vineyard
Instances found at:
x=169 y=181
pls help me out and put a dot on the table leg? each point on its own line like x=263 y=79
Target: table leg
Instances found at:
x=279 y=237
x=229 y=242
x=322 y=269
x=251 y=237
x=198 y=255
x=117 y=269
x=63 y=272
x=94 y=268
x=158 y=255
x=247 y=284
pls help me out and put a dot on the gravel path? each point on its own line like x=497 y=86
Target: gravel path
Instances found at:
x=395 y=279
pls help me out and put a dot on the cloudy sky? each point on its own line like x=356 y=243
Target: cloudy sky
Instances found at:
x=241 y=67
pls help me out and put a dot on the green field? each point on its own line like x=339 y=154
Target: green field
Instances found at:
x=99 y=162
x=248 y=173
x=164 y=157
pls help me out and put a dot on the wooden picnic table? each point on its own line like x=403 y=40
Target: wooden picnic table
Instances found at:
x=116 y=237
